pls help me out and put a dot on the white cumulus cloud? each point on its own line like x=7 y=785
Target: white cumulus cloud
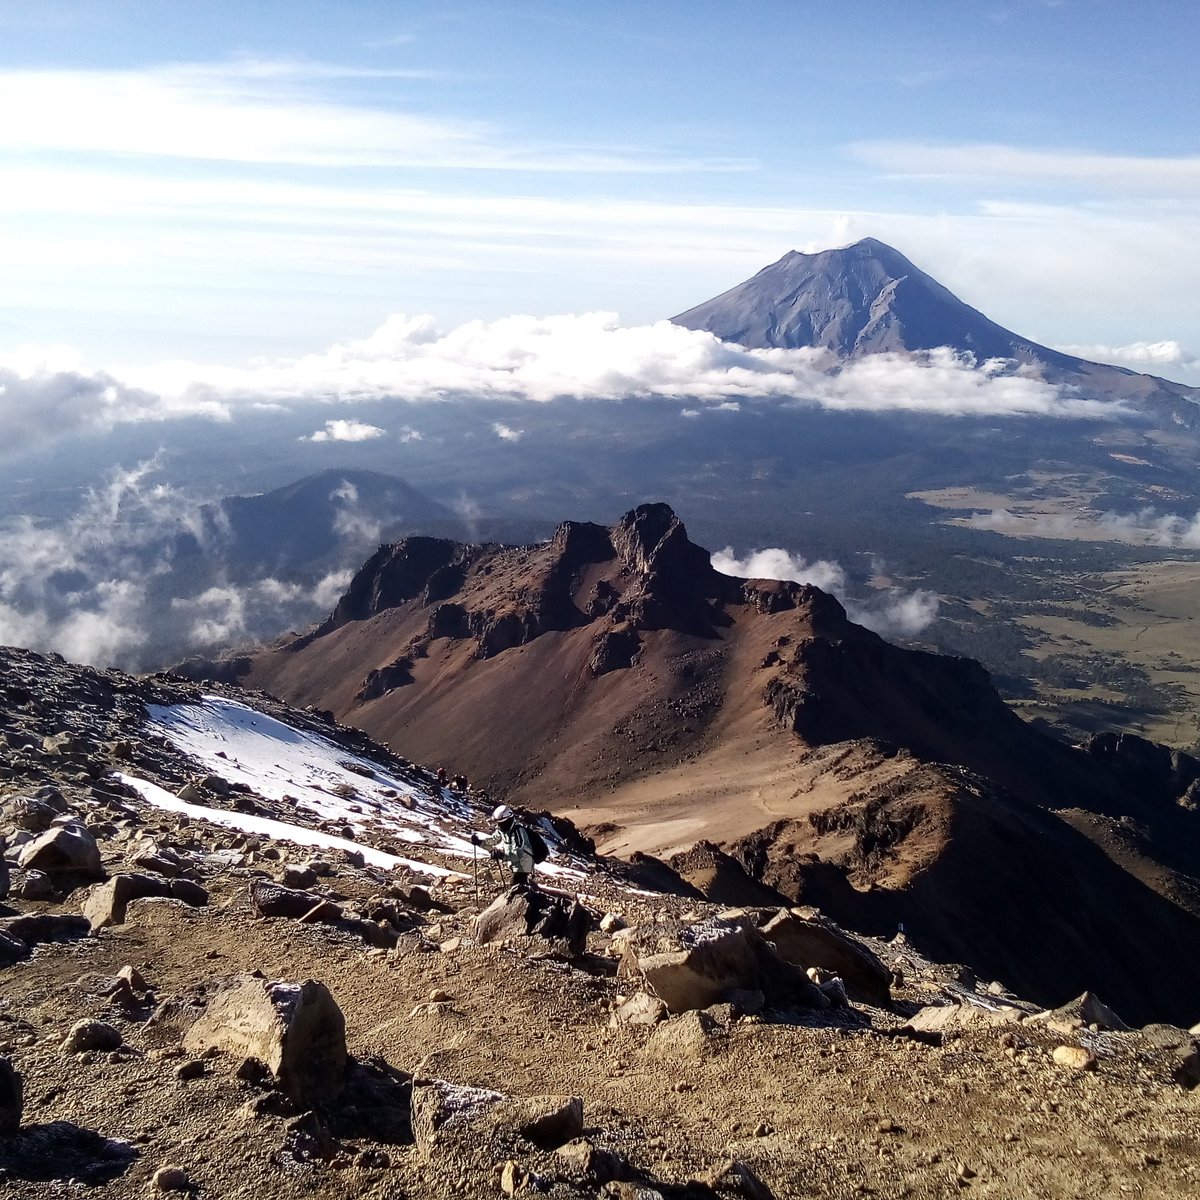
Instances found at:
x=589 y=356
x=345 y=431
x=894 y=613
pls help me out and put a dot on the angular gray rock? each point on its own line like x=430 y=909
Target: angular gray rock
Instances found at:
x=706 y=962
x=811 y=941
x=34 y=885
x=546 y=1121
x=296 y=1030
x=562 y=922
x=694 y=1035
x=734 y=1178
x=1085 y=1009
x=639 y=1009
x=64 y=850
x=274 y=900
x=582 y=1159
x=11 y=1099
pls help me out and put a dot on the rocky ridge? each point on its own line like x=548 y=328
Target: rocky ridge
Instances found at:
x=611 y=674
x=247 y=1034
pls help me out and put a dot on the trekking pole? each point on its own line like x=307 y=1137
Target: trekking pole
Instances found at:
x=475 y=864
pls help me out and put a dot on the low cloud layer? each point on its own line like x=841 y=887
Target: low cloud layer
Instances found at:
x=105 y=587
x=590 y=356
x=1167 y=358
x=892 y=613
x=1147 y=527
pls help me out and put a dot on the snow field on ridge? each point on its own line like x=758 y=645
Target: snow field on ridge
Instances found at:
x=308 y=771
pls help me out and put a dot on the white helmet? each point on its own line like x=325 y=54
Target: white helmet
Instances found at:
x=501 y=813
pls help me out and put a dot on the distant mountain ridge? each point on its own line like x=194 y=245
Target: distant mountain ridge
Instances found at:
x=867 y=298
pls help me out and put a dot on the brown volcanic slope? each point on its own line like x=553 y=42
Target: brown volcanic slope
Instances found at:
x=613 y=676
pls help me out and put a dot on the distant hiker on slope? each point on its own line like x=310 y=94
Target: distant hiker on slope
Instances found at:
x=518 y=845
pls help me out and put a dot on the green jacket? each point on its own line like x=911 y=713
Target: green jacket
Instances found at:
x=514 y=846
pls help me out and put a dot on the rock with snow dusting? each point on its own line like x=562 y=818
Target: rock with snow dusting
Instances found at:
x=444 y=1112
x=296 y=1030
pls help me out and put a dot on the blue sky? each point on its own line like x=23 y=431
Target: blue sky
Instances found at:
x=217 y=182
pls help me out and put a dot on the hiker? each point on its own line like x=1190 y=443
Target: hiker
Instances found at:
x=513 y=842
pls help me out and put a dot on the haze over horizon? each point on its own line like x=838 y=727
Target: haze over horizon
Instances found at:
x=269 y=183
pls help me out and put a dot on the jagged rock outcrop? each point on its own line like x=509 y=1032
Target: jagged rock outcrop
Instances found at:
x=807 y=940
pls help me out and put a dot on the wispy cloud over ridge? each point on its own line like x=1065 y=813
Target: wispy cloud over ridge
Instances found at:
x=890 y=613
x=98 y=587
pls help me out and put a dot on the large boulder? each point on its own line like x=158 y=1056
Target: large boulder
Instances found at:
x=296 y=1030
x=10 y=1099
x=810 y=941
x=105 y=903
x=475 y=1121
x=64 y=850
x=274 y=900
x=696 y=966
x=560 y=920
x=32 y=928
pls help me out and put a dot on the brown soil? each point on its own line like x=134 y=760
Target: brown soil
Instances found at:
x=831 y=1109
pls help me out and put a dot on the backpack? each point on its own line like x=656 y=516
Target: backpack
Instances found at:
x=537 y=845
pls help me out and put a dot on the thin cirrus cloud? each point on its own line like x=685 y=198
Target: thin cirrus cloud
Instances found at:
x=974 y=161
x=274 y=112
x=589 y=356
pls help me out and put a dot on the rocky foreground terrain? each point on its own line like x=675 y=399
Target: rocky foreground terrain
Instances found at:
x=243 y=953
